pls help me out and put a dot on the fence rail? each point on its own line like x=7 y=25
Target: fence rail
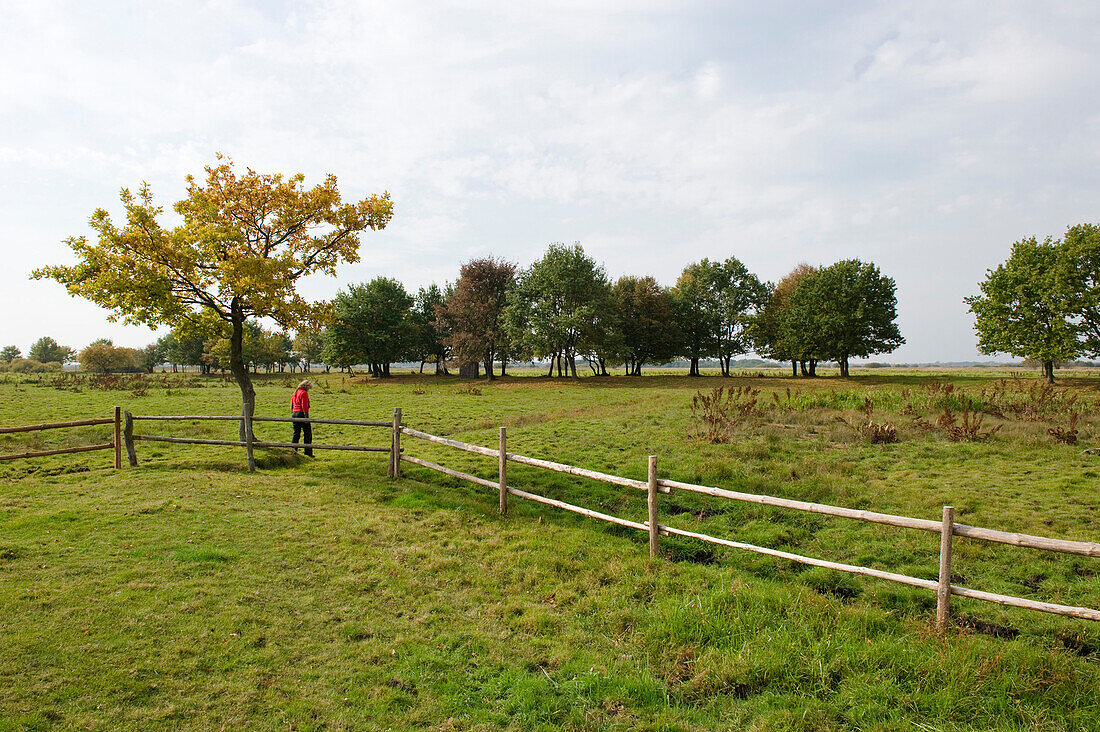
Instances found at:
x=115 y=444
x=947 y=528
x=249 y=443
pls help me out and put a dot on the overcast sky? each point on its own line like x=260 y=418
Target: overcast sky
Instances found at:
x=925 y=137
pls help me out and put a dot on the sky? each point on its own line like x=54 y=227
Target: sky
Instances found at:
x=925 y=137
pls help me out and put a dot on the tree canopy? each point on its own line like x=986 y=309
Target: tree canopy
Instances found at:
x=244 y=242
x=1025 y=308
x=843 y=310
x=370 y=324
x=46 y=349
x=558 y=305
x=473 y=314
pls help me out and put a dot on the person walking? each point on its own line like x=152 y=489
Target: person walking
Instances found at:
x=299 y=408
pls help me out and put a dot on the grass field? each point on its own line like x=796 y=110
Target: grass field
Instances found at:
x=318 y=594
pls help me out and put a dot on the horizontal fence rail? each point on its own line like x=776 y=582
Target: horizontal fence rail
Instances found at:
x=115 y=444
x=947 y=527
x=1086 y=548
x=130 y=438
x=55 y=425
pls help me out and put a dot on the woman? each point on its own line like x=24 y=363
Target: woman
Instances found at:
x=299 y=407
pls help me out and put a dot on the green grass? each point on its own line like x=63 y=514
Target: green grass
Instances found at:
x=317 y=594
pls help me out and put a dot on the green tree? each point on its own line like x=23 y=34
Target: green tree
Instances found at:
x=766 y=331
x=431 y=332
x=371 y=324
x=46 y=349
x=308 y=346
x=243 y=244
x=557 y=308
x=646 y=317
x=151 y=356
x=1078 y=279
x=697 y=311
x=8 y=353
x=1024 y=308
x=741 y=296
x=473 y=313
x=843 y=310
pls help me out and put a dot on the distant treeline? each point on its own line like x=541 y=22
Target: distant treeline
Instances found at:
x=561 y=310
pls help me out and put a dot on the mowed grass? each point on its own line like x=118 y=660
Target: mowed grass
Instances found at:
x=318 y=594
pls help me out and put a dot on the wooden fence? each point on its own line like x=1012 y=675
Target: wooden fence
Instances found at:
x=946 y=527
x=115 y=444
x=130 y=438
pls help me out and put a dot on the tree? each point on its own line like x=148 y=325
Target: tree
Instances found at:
x=474 y=312
x=1024 y=309
x=646 y=317
x=150 y=356
x=46 y=349
x=9 y=353
x=1078 y=280
x=741 y=295
x=766 y=332
x=371 y=324
x=843 y=310
x=697 y=311
x=308 y=346
x=243 y=244
x=556 y=309
x=431 y=332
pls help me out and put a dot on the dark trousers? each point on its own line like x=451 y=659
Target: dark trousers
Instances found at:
x=299 y=429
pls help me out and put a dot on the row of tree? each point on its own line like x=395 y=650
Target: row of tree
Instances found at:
x=564 y=308
x=561 y=309
x=1043 y=303
x=44 y=350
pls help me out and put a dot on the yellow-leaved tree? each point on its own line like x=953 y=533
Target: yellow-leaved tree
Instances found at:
x=244 y=242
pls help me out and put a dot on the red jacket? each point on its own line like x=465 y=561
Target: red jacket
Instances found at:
x=300 y=401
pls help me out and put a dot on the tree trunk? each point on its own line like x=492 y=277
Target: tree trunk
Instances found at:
x=802 y=368
x=1048 y=371
x=844 y=366
x=489 y=366
x=813 y=367
x=794 y=368
x=503 y=366
x=386 y=369
x=694 y=370
x=240 y=372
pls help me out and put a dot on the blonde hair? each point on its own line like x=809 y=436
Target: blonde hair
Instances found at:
x=306 y=384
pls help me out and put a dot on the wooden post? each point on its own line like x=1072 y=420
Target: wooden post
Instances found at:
x=943 y=592
x=128 y=435
x=118 y=438
x=652 y=505
x=502 y=469
x=395 y=445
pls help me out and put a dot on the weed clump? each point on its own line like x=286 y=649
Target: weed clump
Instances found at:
x=717 y=414
x=1067 y=435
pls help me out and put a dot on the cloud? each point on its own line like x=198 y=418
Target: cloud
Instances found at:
x=923 y=137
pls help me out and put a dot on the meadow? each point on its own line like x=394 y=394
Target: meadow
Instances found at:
x=318 y=594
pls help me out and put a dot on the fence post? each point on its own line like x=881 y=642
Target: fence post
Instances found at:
x=395 y=445
x=651 y=503
x=502 y=469
x=128 y=434
x=943 y=592
x=118 y=438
